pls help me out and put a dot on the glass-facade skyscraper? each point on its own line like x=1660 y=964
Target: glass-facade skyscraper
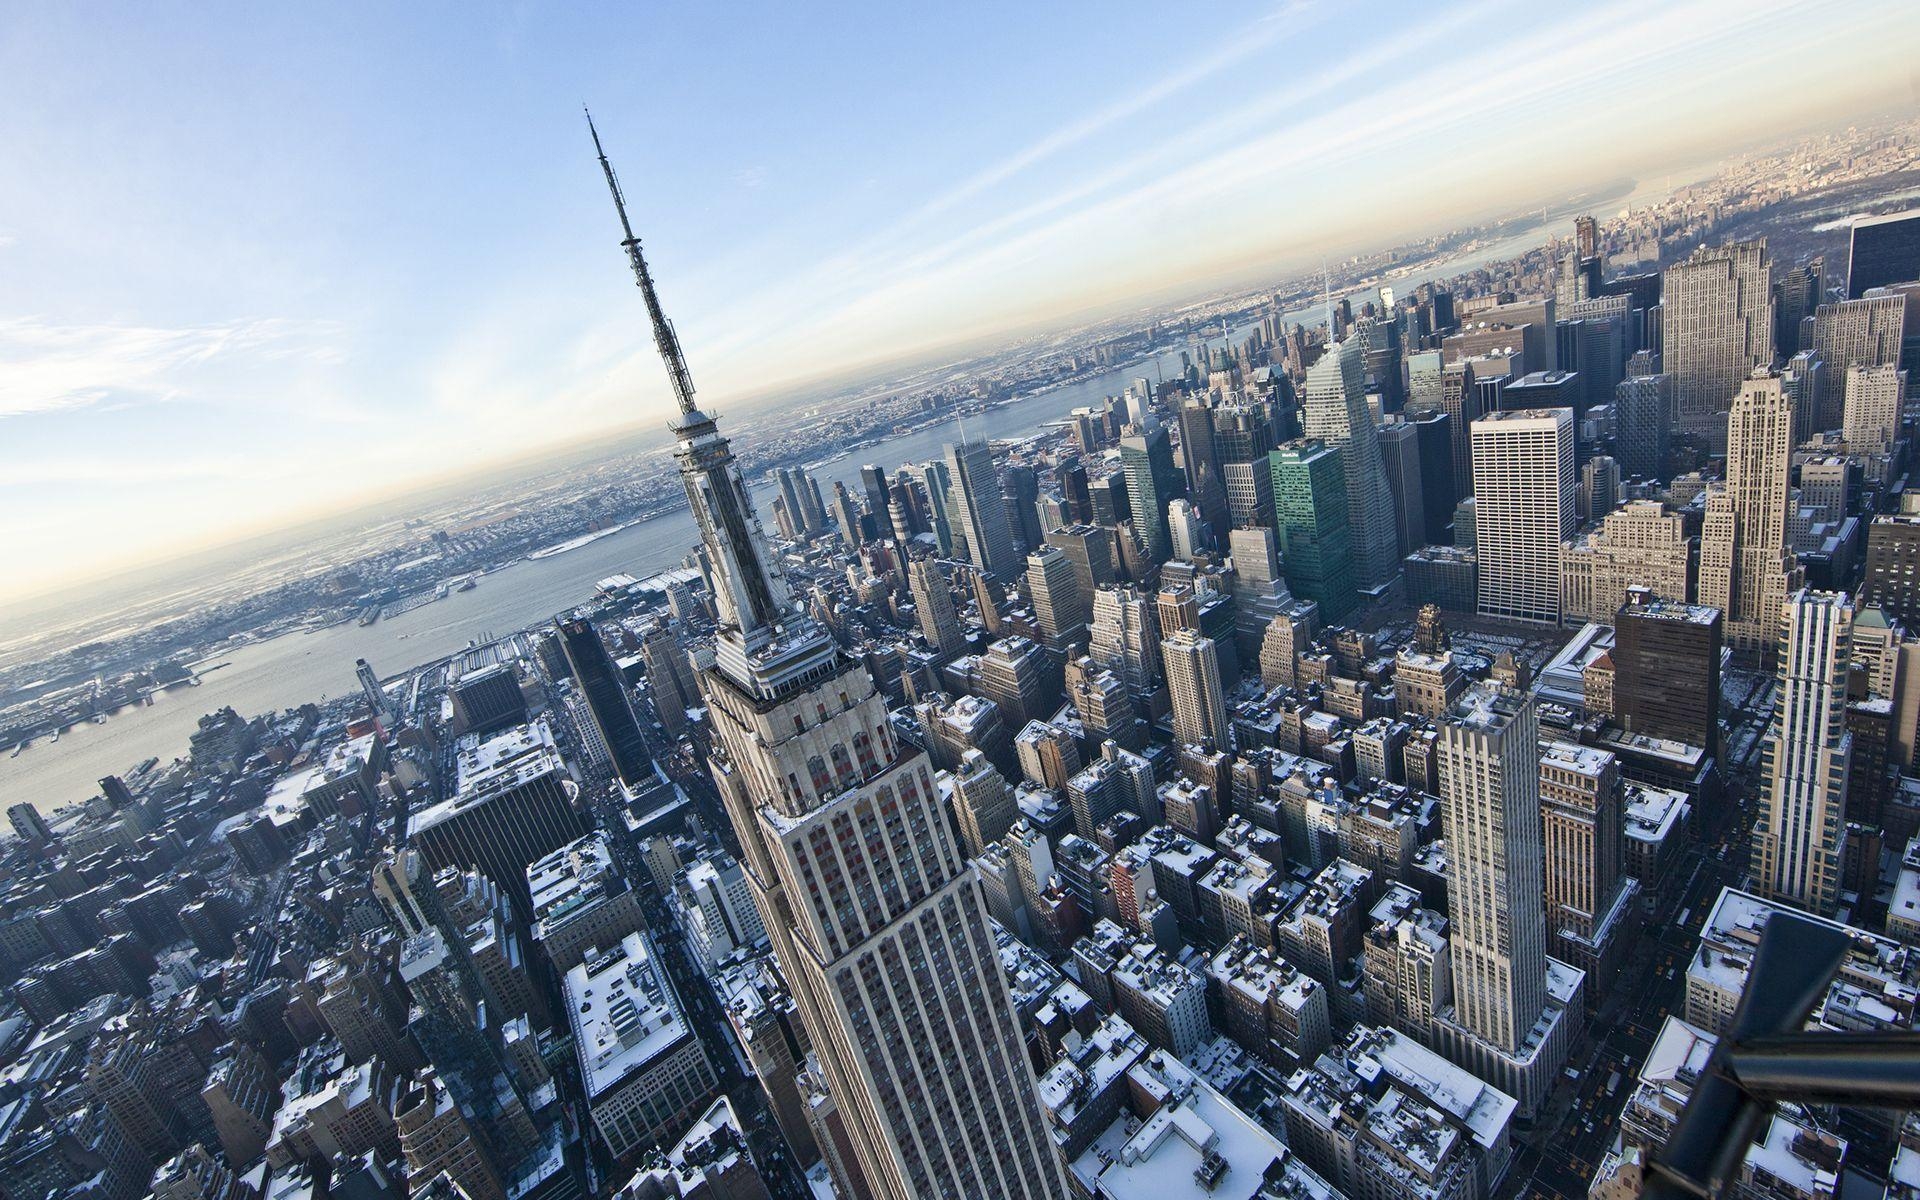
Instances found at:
x=1882 y=251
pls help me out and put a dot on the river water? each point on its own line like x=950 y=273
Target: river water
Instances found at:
x=293 y=669
x=296 y=668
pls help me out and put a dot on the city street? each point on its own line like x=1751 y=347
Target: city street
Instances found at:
x=701 y=1004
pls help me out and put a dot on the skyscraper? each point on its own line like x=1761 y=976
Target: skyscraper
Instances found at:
x=854 y=524
x=1105 y=705
x=1643 y=408
x=909 y=515
x=1059 y=607
x=1205 y=485
x=1797 y=837
x=1125 y=638
x=1072 y=476
x=29 y=824
x=783 y=520
x=1259 y=592
x=606 y=695
x=1433 y=440
x=1746 y=567
x=1892 y=580
x=512 y=802
x=1336 y=412
x=933 y=477
x=1666 y=658
x=1153 y=482
x=1717 y=322
x=1882 y=251
x=1523 y=510
x=983 y=803
x=1424 y=372
x=1242 y=431
x=1020 y=490
x=670 y=674
x=1460 y=401
x=371 y=689
x=793 y=490
x=1013 y=674
x=1582 y=814
x=1599 y=492
x=1049 y=755
x=1874 y=396
x=1193 y=681
x=1796 y=293
x=890 y=956
x=1186 y=532
x=1804 y=380
x=1090 y=549
x=1310 y=516
x=1107 y=494
x=1400 y=453
x=982 y=509
x=1249 y=494
x=1855 y=333
x=933 y=608
x=1490 y=786
x=1594 y=345
x=873 y=481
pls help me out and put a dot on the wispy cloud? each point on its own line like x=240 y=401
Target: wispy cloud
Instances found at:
x=1286 y=149
x=1256 y=39
x=46 y=366
x=98 y=471
x=900 y=245
x=908 y=253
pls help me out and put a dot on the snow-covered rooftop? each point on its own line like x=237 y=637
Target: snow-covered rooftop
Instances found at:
x=1195 y=1143
x=624 y=1013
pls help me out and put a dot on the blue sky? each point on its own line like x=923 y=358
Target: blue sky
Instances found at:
x=256 y=261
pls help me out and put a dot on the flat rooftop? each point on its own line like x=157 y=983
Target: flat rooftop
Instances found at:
x=1878 y=985
x=1088 y=1070
x=1485 y=1110
x=1682 y=755
x=1487 y=707
x=1652 y=813
x=624 y=1014
x=1543 y=379
x=1570 y=757
x=1195 y=1135
x=1542 y=416
x=570 y=877
x=490 y=764
x=1672 y=610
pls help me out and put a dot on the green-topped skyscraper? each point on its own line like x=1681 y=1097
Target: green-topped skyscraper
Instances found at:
x=1310 y=519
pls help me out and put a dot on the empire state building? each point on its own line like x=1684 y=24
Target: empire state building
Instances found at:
x=876 y=916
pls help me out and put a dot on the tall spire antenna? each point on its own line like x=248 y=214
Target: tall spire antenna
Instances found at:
x=664 y=338
x=1326 y=283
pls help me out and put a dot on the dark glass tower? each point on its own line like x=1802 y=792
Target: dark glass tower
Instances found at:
x=606 y=696
x=1883 y=251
